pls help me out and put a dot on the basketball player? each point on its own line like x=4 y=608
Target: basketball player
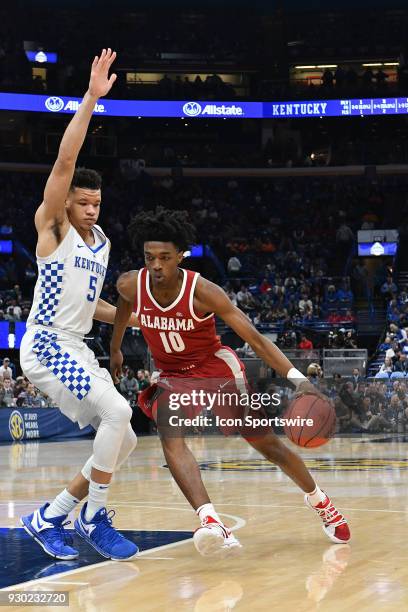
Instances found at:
x=166 y=297
x=72 y=257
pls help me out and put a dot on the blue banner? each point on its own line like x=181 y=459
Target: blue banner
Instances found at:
x=209 y=109
x=18 y=424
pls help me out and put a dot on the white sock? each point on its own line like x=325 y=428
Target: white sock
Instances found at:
x=97 y=498
x=208 y=510
x=317 y=496
x=64 y=503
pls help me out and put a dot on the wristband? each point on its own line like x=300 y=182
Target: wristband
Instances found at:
x=295 y=377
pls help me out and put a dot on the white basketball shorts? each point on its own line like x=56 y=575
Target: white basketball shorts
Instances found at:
x=63 y=367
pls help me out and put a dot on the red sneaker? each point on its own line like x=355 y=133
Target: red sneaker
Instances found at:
x=334 y=524
x=213 y=538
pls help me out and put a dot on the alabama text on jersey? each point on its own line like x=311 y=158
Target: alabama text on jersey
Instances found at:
x=178 y=337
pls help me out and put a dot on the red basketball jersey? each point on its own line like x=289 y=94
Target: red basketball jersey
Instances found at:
x=179 y=338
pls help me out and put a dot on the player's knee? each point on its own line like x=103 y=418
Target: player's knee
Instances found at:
x=123 y=412
x=113 y=408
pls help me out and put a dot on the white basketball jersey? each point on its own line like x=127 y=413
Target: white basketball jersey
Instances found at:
x=69 y=284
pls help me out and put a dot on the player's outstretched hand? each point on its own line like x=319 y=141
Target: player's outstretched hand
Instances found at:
x=116 y=363
x=100 y=82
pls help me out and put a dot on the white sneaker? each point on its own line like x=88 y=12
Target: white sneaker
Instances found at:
x=214 y=539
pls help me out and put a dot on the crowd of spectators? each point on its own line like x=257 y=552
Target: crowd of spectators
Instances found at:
x=393 y=350
x=364 y=405
x=306 y=144
x=130 y=385
x=298 y=299
x=17 y=391
x=157 y=40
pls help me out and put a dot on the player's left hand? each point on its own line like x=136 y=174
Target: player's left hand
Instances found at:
x=100 y=82
x=116 y=363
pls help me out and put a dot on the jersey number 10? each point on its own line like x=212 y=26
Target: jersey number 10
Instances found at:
x=172 y=342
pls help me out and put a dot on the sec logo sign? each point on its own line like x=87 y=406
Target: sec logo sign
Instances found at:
x=16 y=425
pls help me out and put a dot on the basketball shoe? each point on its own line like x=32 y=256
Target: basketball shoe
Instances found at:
x=50 y=534
x=213 y=538
x=334 y=524
x=104 y=538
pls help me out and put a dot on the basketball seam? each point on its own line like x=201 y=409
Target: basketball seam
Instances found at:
x=321 y=427
x=305 y=418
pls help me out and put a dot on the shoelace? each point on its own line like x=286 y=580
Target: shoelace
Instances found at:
x=225 y=530
x=105 y=530
x=329 y=515
x=58 y=533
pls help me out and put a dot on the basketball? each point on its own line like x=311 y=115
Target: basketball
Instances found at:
x=320 y=425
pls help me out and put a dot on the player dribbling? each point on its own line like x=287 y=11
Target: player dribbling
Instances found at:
x=175 y=309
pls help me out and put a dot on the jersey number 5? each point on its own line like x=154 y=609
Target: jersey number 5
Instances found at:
x=92 y=287
x=172 y=342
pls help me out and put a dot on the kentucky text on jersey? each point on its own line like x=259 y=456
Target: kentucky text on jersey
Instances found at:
x=301 y=108
x=166 y=323
x=88 y=264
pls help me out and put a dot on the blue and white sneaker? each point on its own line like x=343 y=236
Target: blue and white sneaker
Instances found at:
x=50 y=534
x=100 y=534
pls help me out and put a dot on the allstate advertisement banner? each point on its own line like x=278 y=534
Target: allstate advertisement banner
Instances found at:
x=132 y=108
x=18 y=424
x=209 y=109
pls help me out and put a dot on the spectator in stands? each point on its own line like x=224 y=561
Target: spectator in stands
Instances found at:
x=6 y=393
x=386 y=367
x=373 y=420
x=142 y=379
x=305 y=304
x=246 y=351
x=245 y=299
x=232 y=295
x=344 y=294
x=20 y=385
x=265 y=286
x=331 y=295
x=305 y=344
x=349 y=341
x=389 y=288
x=401 y=364
x=6 y=370
x=129 y=386
x=356 y=377
x=30 y=397
x=234 y=266
x=384 y=346
x=343 y=415
x=257 y=320
x=14 y=311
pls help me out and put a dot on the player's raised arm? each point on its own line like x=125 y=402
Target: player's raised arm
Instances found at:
x=52 y=209
x=126 y=286
x=211 y=298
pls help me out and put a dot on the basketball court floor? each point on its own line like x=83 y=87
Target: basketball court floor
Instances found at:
x=286 y=563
